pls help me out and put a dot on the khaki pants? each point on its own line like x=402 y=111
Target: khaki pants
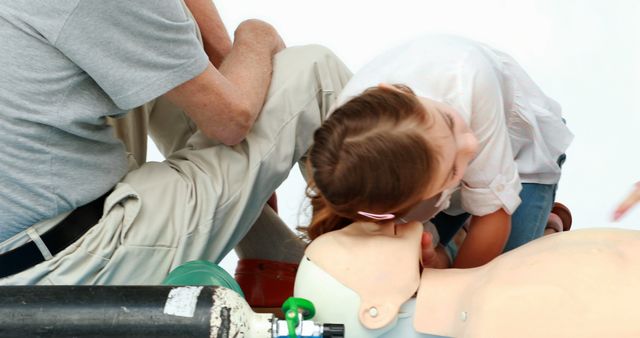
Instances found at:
x=202 y=200
x=170 y=128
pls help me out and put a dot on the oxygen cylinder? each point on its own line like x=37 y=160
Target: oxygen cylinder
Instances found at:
x=142 y=311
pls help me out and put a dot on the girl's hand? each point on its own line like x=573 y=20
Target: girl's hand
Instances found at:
x=433 y=256
x=628 y=203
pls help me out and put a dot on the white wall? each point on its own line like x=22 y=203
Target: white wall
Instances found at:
x=584 y=54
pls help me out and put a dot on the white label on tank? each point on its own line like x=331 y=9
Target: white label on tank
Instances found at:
x=182 y=301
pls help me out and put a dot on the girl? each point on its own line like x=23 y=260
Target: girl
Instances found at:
x=468 y=133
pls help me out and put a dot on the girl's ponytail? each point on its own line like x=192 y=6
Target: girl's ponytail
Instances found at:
x=324 y=218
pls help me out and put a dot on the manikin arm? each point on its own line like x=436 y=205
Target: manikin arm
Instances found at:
x=485 y=241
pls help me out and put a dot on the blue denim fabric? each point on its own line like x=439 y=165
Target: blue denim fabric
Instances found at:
x=530 y=219
x=527 y=223
x=448 y=225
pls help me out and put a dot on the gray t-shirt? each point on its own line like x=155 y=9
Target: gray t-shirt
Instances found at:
x=64 y=66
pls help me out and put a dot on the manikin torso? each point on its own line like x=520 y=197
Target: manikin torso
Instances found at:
x=582 y=283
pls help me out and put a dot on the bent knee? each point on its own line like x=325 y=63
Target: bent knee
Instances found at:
x=305 y=54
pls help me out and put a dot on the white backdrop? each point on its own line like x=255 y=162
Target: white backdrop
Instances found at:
x=584 y=54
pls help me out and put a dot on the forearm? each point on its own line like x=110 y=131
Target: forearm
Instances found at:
x=215 y=38
x=485 y=240
x=225 y=102
x=249 y=67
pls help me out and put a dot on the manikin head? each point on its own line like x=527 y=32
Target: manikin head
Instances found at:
x=381 y=153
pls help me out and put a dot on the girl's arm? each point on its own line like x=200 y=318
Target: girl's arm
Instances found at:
x=485 y=240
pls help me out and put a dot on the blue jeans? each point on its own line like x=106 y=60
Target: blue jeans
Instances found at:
x=527 y=223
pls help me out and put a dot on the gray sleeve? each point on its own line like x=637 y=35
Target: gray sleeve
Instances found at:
x=134 y=50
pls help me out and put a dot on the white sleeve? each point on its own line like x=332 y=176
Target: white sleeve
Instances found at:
x=491 y=181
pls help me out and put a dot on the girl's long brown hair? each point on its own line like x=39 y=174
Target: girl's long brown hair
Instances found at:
x=370 y=155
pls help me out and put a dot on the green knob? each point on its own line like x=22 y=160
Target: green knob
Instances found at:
x=292 y=307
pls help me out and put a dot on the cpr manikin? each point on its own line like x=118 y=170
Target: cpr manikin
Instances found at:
x=583 y=283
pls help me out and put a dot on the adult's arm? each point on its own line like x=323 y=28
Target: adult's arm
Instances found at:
x=632 y=199
x=485 y=240
x=215 y=38
x=150 y=50
x=224 y=103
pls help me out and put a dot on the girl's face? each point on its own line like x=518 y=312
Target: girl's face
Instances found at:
x=454 y=139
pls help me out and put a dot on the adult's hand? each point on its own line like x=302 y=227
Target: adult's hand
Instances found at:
x=259 y=33
x=224 y=103
x=628 y=203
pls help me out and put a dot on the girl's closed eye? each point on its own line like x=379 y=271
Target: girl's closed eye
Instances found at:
x=449 y=120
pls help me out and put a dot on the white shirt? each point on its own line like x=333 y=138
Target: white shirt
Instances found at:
x=520 y=130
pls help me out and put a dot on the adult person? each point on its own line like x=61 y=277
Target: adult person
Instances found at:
x=71 y=211
x=493 y=143
x=269 y=253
